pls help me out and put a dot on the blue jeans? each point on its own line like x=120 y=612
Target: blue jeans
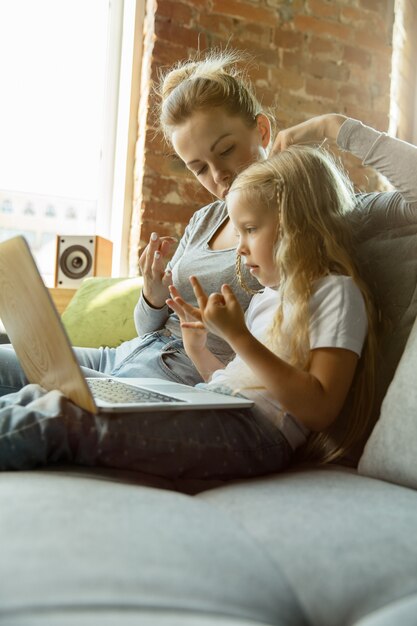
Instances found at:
x=158 y=354
x=43 y=428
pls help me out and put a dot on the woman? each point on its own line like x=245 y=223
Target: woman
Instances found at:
x=212 y=118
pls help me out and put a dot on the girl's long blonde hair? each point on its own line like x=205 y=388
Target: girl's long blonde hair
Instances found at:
x=217 y=79
x=311 y=197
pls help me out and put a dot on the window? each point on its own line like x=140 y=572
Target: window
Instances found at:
x=403 y=117
x=61 y=64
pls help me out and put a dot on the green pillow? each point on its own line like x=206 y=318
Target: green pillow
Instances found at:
x=101 y=312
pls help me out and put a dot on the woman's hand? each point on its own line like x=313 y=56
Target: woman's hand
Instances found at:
x=220 y=313
x=314 y=130
x=152 y=263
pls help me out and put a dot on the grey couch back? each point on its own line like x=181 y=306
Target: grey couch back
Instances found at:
x=386 y=247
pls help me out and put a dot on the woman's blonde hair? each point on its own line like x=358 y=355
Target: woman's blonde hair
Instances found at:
x=311 y=196
x=215 y=80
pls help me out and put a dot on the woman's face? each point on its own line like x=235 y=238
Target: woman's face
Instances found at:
x=216 y=147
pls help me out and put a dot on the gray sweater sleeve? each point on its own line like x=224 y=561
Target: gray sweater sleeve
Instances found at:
x=395 y=159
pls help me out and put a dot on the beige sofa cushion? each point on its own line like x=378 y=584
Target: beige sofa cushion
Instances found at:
x=390 y=453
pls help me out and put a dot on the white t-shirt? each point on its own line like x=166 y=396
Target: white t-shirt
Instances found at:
x=338 y=320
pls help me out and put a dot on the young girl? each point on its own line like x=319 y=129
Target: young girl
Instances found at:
x=310 y=333
x=210 y=115
x=297 y=350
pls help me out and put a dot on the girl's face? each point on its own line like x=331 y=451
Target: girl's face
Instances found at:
x=257 y=231
x=216 y=147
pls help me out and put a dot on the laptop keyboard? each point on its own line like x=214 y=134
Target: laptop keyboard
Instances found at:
x=116 y=392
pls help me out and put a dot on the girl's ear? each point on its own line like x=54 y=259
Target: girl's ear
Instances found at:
x=264 y=127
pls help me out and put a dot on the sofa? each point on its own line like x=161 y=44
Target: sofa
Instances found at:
x=324 y=546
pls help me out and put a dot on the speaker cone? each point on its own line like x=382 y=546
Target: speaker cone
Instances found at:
x=76 y=261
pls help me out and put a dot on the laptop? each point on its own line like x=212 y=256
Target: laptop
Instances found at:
x=47 y=358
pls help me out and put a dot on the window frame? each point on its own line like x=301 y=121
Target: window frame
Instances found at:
x=118 y=215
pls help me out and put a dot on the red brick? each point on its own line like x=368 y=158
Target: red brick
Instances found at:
x=163 y=229
x=374 y=5
x=257 y=54
x=357 y=95
x=321 y=88
x=259 y=73
x=300 y=106
x=200 y=5
x=283 y=79
x=179 y=35
x=158 y=187
x=381 y=68
x=216 y=23
x=352 y=15
x=323 y=9
x=356 y=56
x=381 y=104
x=288 y=38
x=243 y=10
x=177 y=12
x=359 y=75
x=165 y=212
x=306 y=23
x=335 y=71
x=258 y=34
x=193 y=193
x=371 y=40
x=268 y=97
x=163 y=165
x=318 y=46
x=154 y=140
x=166 y=54
x=293 y=59
x=371 y=118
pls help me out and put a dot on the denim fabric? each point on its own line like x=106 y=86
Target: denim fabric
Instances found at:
x=42 y=428
x=157 y=354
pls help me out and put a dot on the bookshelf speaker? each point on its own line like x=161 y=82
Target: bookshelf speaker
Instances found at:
x=81 y=256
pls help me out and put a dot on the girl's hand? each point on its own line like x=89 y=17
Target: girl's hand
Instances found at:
x=314 y=130
x=220 y=313
x=152 y=263
x=194 y=333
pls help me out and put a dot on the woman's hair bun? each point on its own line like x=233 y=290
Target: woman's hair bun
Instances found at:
x=175 y=77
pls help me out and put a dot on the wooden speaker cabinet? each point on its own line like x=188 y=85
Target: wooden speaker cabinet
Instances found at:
x=79 y=257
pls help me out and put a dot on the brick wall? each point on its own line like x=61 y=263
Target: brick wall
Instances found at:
x=311 y=57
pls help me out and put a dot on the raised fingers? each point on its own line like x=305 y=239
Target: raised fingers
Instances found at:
x=166 y=245
x=154 y=255
x=187 y=309
x=199 y=292
x=147 y=257
x=177 y=308
x=228 y=294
